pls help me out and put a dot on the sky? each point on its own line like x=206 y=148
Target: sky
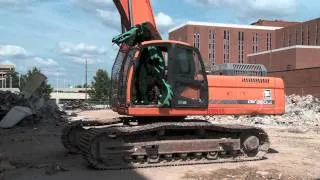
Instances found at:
x=58 y=35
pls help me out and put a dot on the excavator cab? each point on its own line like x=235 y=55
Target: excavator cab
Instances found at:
x=164 y=74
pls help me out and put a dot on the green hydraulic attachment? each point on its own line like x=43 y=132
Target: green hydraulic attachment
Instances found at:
x=152 y=65
x=139 y=33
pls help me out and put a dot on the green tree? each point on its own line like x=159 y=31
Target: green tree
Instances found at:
x=100 y=86
x=45 y=89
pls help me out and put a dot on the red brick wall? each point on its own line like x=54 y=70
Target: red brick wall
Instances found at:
x=294 y=58
x=307 y=58
x=189 y=30
x=280 y=38
x=276 y=23
x=290 y=31
x=276 y=61
x=300 y=81
x=180 y=35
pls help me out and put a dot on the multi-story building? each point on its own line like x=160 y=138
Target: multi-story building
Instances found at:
x=290 y=50
x=4 y=69
x=225 y=43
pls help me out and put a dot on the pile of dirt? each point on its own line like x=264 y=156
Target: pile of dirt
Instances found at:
x=299 y=111
x=41 y=110
x=8 y=100
x=28 y=106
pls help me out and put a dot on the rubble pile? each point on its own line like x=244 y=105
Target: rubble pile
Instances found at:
x=41 y=110
x=8 y=100
x=28 y=106
x=299 y=111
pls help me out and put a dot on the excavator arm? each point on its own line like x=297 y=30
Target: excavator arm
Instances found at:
x=138 y=25
x=137 y=22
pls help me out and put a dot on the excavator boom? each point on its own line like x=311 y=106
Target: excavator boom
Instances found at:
x=134 y=12
x=137 y=13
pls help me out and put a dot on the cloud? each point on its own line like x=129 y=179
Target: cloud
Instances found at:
x=43 y=61
x=8 y=62
x=164 y=22
x=104 y=10
x=13 y=51
x=16 y=4
x=95 y=4
x=83 y=61
x=80 y=50
x=19 y=56
x=252 y=8
x=58 y=71
x=109 y=18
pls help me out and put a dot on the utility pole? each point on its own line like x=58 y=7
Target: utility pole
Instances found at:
x=86 y=79
x=19 y=80
x=2 y=80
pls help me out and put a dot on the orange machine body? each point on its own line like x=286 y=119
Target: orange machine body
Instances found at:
x=227 y=95
x=136 y=12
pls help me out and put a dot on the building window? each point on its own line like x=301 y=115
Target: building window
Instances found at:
x=289 y=39
x=211 y=50
x=240 y=47
x=198 y=37
x=317 y=34
x=282 y=40
x=269 y=38
x=302 y=36
x=255 y=43
x=308 y=35
x=196 y=40
x=296 y=36
x=226 y=46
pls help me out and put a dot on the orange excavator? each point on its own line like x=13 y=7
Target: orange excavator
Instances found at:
x=157 y=84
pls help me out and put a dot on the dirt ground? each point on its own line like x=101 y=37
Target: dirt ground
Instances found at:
x=37 y=154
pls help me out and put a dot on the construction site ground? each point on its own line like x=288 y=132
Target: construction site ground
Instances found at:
x=36 y=153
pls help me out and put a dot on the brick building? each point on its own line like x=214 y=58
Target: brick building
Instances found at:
x=290 y=50
x=225 y=43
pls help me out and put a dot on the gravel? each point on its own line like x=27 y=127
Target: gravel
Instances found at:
x=299 y=111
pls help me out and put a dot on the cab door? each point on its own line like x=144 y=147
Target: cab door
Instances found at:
x=187 y=76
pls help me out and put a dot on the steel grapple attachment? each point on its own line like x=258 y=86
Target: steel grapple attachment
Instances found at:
x=137 y=34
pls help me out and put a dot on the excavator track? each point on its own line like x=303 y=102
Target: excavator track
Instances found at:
x=72 y=131
x=171 y=144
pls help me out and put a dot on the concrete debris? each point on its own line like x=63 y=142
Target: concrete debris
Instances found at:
x=33 y=84
x=74 y=105
x=299 y=111
x=28 y=107
x=14 y=116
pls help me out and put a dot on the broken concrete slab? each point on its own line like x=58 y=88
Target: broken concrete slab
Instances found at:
x=33 y=84
x=14 y=116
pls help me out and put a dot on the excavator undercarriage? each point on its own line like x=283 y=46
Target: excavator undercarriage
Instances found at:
x=121 y=144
